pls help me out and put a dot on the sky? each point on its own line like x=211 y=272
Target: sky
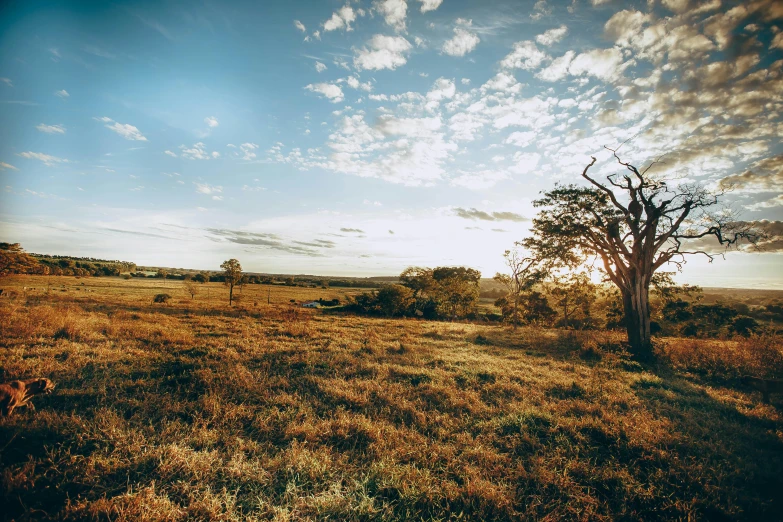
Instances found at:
x=361 y=137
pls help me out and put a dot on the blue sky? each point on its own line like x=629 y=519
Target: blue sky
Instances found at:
x=361 y=137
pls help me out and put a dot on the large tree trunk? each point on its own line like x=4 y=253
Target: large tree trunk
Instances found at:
x=637 y=319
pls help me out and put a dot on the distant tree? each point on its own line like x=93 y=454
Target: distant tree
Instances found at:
x=192 y=288
x=201 y=277
x=574 y=294
x=418 y=279
x=457 y=289
x=394 y=300
x=14 y=260
x=524 y=272
x=162 y=274
x=232 y=272
x=634 y=225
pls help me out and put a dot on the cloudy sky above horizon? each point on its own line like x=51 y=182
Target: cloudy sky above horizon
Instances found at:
x=360 y=137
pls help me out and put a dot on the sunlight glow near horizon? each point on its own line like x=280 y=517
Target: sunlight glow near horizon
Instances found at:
x=301 y=138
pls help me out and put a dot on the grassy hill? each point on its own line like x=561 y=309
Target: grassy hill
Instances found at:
x=195 y=411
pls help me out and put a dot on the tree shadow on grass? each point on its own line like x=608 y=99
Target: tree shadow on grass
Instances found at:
x=740 y=454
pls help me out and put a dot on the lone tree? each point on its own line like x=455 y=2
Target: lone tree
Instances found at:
x=232 y=271
x=524 y=274
x=635 y=224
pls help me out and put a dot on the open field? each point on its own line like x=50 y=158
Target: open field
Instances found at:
x=194 y=410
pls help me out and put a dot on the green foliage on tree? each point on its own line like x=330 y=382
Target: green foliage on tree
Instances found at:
x=633 y=225
x=14 y=260
x=232 y=274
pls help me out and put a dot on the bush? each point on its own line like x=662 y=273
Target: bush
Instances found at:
x=744 y=325
x=161 y=298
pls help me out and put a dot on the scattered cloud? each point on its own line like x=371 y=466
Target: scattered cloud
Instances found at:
x=7 y=81
x=271 y=241
x=320 y=67
x=51 y=129
x=429 y=5
x=328 y=90
x=341 y=19
x=299 y=25
x=6 y=166
x=46 y=159
x=763 y=176
x=476 y=214
x=62 y=93
x=169 y=153
x=463 y=40
x=211 y=121
x=352 y=230
x=524 y=56
x=384 y=52
x=247 y=150
x=209 y=190
x=127 y=131
x=197 y=151
x=393 y=12
x=541 y=9
x=552 y=36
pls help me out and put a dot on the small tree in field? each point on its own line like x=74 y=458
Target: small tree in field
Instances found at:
x=232 y=271
x=634 y=224
x=524 y=273
x=192 y=288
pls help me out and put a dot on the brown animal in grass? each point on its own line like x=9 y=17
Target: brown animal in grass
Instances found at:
x=17 y=394
x=765 y=386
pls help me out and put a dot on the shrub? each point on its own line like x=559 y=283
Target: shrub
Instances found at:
x=744 y=325
x=161 y=298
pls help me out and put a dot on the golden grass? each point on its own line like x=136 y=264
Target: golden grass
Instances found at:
x=196 y=411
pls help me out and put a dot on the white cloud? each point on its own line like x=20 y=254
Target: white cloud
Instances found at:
x=205 y=188
x=51 y=129
x=558 y=69
x=552 y=36
x=215 y=154
x=319 y=67
x=540 y=9
x=342 y=18
x=385 y=52
x=525 y=162
x=394 y=12
x=299 y=25
x=168 y=152
x=127 y=131
x=524 y=56
x=777 y=42
x=430 y=5
x=197 y=152
x=62 y=94
x=247 y=150
x=354 y=83
x=211 y=121
x=520 y=139
x=605 y=64
x=45 y=158
x=777 y=201
x=329 y=90
x=4 y=166
x=7 y=81
x=462 y=42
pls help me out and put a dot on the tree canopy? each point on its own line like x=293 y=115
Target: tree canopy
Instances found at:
x=633 y=224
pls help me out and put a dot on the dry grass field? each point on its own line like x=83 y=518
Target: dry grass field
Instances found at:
x=194 y=410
